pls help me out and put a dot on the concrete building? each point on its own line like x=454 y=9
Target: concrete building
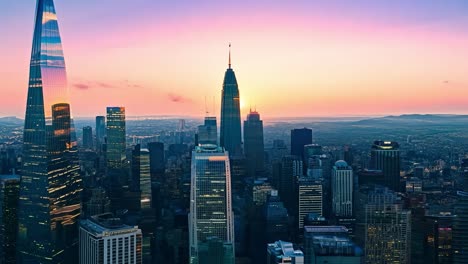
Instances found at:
x=105 y=240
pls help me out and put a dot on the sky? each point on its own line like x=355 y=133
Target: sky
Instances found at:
x=292 y=58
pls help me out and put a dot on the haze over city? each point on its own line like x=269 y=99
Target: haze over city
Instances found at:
x=292 y=59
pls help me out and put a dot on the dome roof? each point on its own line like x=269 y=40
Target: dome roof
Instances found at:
x=341 y=164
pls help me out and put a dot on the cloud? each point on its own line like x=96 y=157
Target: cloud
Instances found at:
x=81 y=86
x=176 y=98
x=85 y=85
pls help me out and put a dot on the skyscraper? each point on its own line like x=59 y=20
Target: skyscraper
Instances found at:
x=157 y=160
x=230 y=137
x=104 y=239
x=9 y=194
x=253 y=143
x=208 y=132
x=300 y=138
x=100 y=131
x=50 y=182
x=385 y=156
x=387 y=228
x=87 y=137
x=310 y=199
x=460 y=230
x=342 y=189
x=211 y=213
x=290 y=171
x=115 y=137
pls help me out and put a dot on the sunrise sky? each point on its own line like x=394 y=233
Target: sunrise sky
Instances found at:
x=291 y=58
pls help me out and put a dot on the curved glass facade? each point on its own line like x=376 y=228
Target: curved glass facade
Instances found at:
x=230 y=132
x=50 y=180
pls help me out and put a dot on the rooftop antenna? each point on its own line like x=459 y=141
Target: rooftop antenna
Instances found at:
x=229 y=55
x=206 y=109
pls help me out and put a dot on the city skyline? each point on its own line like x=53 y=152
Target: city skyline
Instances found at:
x=342 y=59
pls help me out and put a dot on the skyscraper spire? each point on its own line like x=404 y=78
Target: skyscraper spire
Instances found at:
x=49 y=205
x=229 y=55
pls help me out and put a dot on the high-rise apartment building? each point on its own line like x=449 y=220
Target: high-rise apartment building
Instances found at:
x=208 y=132
x=88 y=137
x=253 y=143
x=387 y=228
x=211 y=215
x=50 y=189
x=230 y=132
x=385 y=156
x=105 y=240
x=9 y=196
x=342 y=189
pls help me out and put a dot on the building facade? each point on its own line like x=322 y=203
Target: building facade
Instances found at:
x=230 y=132
x=9 y=196
x=208 y=132
x=310 y=199
x=116 y=142
x=105 y=240
x=254 y=147
x=385 y=156
x=342 y=189
x=387 y=228
x=282 y=252
x=211 y=217
x=50 y=188
x=88 y=137
x=300 y=138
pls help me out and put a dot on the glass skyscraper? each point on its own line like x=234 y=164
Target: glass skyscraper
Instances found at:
x=253 y=143
x=211 y=218
x=50 y=188
x=385 y=156
x=230 y=131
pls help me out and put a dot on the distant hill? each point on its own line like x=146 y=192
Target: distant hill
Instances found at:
x=11 y=120
x=416 y=119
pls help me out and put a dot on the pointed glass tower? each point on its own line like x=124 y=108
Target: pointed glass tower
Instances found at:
x=50 y=181
x=230 y=137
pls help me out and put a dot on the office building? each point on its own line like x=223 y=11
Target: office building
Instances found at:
x=385 y=156
x=98 y=203
x=387 y=228
x=88 y=137
x=9 y=196
x=300 y=138
x=460 y=229
x=276 y=219
x=342 y=189
x=157 y=160
x=310 y=199
x=208 y=132
x=230 y=132
x=104 y=239
x=260 y=190
x=210 y=201
x=290 y=170
x=50 y=189
x=330 y=244
x=254 y=148
x=282 y=252
x=100 y=131
x=116 y=142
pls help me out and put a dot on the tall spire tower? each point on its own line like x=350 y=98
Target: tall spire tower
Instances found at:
x=230 y=137
x=50 y=181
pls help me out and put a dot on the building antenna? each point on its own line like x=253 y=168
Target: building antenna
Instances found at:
x=206 y=109
x=229 y=55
